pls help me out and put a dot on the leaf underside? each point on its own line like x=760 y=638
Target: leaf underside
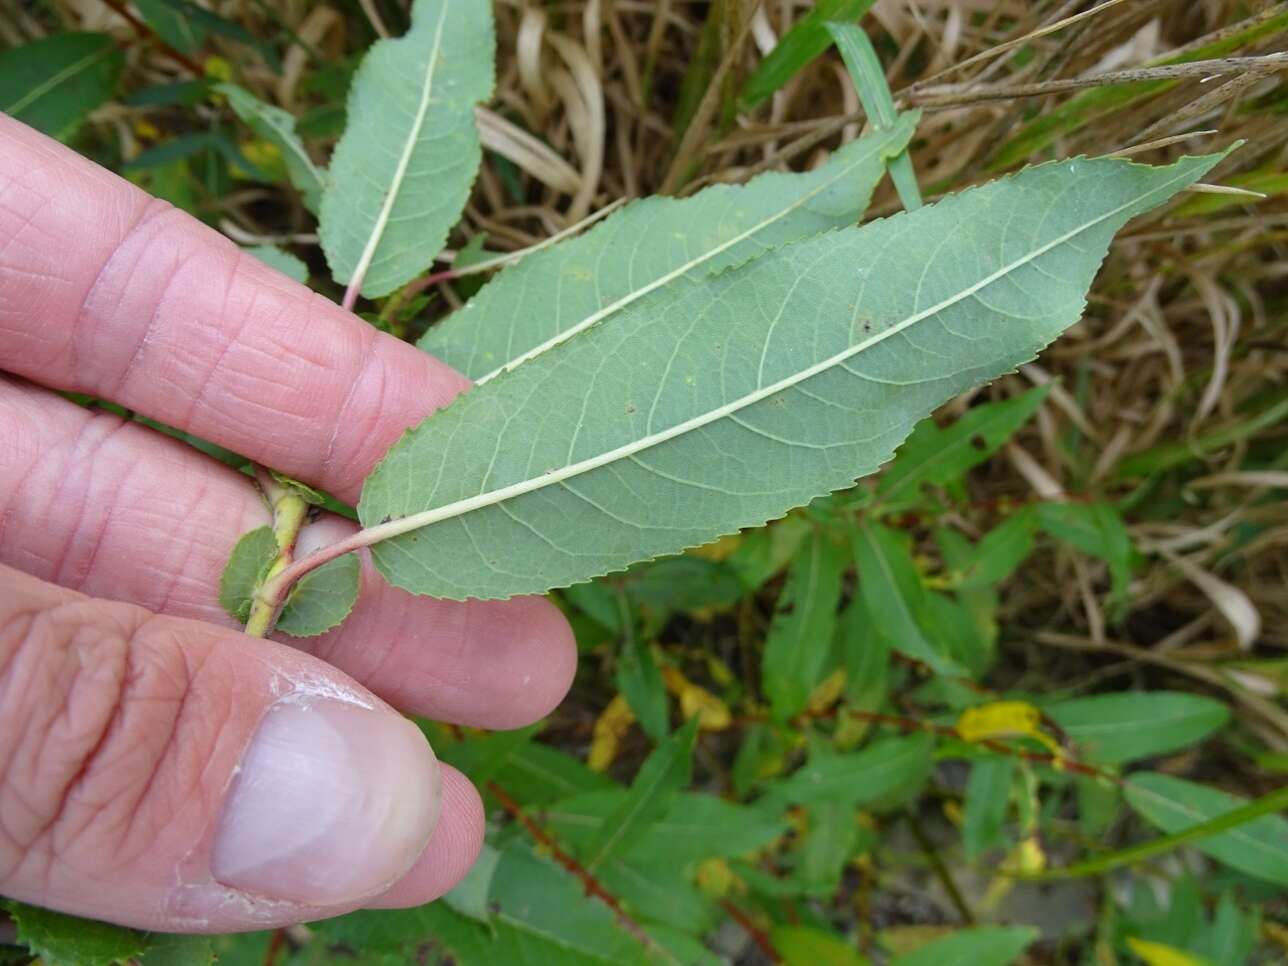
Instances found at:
x=720 y=402
x=651 y=241
x=403 y=169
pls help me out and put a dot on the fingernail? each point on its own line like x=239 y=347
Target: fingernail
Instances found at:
x=332 y=803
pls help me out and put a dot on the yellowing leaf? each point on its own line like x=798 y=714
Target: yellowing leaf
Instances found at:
x=718 y=550
x=610 y=727
x=1158 y=954
x=716 y=879
x=712 y=713
x=827 y=693
x=1004 y=719
x=218 y=69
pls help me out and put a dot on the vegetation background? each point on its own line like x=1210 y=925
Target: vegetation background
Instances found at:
x=1100 y=538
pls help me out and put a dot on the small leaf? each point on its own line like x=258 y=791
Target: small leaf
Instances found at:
x=988 y=795
x=1258 y=848
x=322 y=599
x=985 y=946
x=168 y=950
x=831 y=838
x=886 y=771
x=941 y=456
x=1096 y=529
x=253 y=554
x=801 y=635
x=892 y=594
x=640 y=681
x=807 y=38
x=1002 y=550
x=1115 y=728
x=867 y=658
x=72 y=941
x=649 y=244
x=289 y=265
x=608 y=731
x=664 y=772
x=53 y=83
x=1004 y=719
x=402 y=171
x=722 y=401
x=807 y=946
x=277 y=127
x=171 y=25
x=1159 y=954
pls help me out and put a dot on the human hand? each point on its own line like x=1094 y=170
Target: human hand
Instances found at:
x=158 y=768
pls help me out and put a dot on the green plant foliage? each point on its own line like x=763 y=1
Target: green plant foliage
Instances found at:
x=401 y=172
x=284 y=262
x=988 y=795
x=801 y=636
x=807 y=39
x=980 y=947
x=53 y=83
x=322 y=599
x=650 y=243
x=1096 y=529
x=277 y=127
x=170 y=21
x=1116 y=728
x=76 y=942
x=881 y=775
x=1258 y=848
x=614 y=449
x=806 y=946
x=244 y=572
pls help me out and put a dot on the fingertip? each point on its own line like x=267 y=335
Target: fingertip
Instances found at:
x=452 y=850
x=544 y=658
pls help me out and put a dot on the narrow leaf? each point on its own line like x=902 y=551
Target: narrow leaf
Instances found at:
x=1258 y=847
x=1094 y=528
x=277 y=127
x=985 y=946
x=808 y=946
x=53 y=83
x=662 y=775
x=886 y=771
x=289 y=265
x=172 y=24
x=940 y=456
x=864 y=65
x=988 y=794
x=806 y=39
x=650 y=243
x=722 y=401
x=804 y=625
x=403 y=169
x=1116 y=728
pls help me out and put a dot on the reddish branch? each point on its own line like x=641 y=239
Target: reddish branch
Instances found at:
x=589 y=883
x=758 y=935
x=143 y=30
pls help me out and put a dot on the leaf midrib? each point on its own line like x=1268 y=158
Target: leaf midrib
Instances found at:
x=404 y=160
x=424 y=518
x=71 y=70
x=880 y=142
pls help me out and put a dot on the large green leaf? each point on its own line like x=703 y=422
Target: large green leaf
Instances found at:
x=555 y=293
x=804 y=626
x=403 y=169
x=1259 y=847
x=54 y=82
x=721 y=402
x=1114 y=728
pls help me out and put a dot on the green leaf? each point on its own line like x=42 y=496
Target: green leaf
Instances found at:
x=831 y=838
x=807 y=38
x=403 y=169
x=886 y=771
x=663 y=774
x=172 y=25
x=1001 y=550
x=722 y=401
x=940 y=456
x=807 y=946
x=322 y=598
x=988 y=794
x=867 y=658
x=650 y=243
x=71 y=941
x=277 y=127
x=1114 y=728
x=168 y=950
x=53 y=83
x=289 y=265
x=252 y=555
x=1258 y=848
x=893 y=594
x=870 y=82
x=640 y=681
x=985 y=946
x=801 y=635
x=1094 y=528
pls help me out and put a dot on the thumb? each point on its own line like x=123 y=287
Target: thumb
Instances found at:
x=171 y=775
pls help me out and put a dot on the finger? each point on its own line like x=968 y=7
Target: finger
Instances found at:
x=167 y=774
x=107 y=291
x=452 y=850
x=116 y=510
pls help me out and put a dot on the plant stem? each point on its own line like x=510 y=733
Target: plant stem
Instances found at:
x=290 y=510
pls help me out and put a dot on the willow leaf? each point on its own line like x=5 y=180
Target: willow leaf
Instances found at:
x=277 y=127
x=722 y=401
x=403 y=169
x=650 y=242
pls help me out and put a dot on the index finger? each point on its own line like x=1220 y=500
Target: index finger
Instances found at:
x=107 y=291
